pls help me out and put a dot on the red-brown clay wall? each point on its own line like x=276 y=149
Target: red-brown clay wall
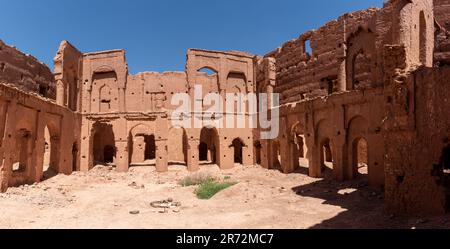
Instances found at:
x=442 y=12
x=303 y=75
x=144 y=90
x=26 y=72
x=68 y=70
x=23 y=120
x=415 y=180
x=442 y=45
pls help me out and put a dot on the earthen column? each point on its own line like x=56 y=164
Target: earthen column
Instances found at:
x=265 y=154
x=37 y=170
x=286 y=156
x=161 y=156
x=375 y=154
x=225 y=154
x=60 y=93
x=342 y=76
x=138 y=149
x=64 y=150
x=315 y=167
x=122 y=158
x=339 y=159
x=31 y=155
x=248 y=153
x=192 y=156
x=86 y=145
x=10 y=140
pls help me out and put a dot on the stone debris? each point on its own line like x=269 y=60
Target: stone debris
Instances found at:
x=136 y=186
x=166 y=205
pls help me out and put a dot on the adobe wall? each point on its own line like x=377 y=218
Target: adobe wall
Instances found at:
x=415 y=181
x=127 y=109
x=442 y=44
x=233 y=73
x=26 y=72
x=144 y=90
x=350 y=86
x=414 y=28
x=23 y=120
x=302 y=74
x=68 y=69
x=369 y=76
x=442 y=12
x=342 y=119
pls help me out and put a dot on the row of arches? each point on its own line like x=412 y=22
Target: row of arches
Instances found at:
x=358 y=157
x=48 y=157
x=142 y=146
x=208 y=77
x=355 y=149
x=325 y=152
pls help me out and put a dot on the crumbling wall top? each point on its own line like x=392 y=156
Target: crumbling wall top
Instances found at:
x=26 y=72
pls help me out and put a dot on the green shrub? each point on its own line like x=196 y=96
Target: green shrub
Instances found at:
x=196 y=179
x=208 y=189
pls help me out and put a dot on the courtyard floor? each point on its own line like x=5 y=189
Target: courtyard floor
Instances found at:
x=103 y=198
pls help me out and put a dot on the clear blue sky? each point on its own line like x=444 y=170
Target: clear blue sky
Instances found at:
x=157 y=33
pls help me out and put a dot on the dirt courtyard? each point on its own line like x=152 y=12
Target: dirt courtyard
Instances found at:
x=103 y=198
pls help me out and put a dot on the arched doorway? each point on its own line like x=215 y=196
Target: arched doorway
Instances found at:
x=109 y=153
x=360 y=66
x=360 y=157
x=150 y=147
x=208 y=77
x=326 y=155
x=142 y=145
x=21 y=159
x=142 y=149
x=238 y=146
x=104 y=144
x=51 y=152
x=203 y=152
x=105 y=91
x=75 y=157
x=298 y=147
x=358 y=148
x=275 y=155
x=210 y=138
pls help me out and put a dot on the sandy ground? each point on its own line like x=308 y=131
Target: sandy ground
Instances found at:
x=103 y=198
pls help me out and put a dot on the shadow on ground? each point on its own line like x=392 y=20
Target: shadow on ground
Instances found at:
x=364 y=206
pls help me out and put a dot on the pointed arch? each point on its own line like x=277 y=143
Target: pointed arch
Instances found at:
x=358 y=147
x=238 y=146
x=142 y=145
x=210 y=71
x=361 y=59
x=105 y=98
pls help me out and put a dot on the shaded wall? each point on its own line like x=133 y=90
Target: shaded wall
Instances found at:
x=23 y=119
x=25 y=72
x=415 y=181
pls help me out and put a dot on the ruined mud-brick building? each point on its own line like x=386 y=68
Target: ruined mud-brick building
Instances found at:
x=364 y=94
